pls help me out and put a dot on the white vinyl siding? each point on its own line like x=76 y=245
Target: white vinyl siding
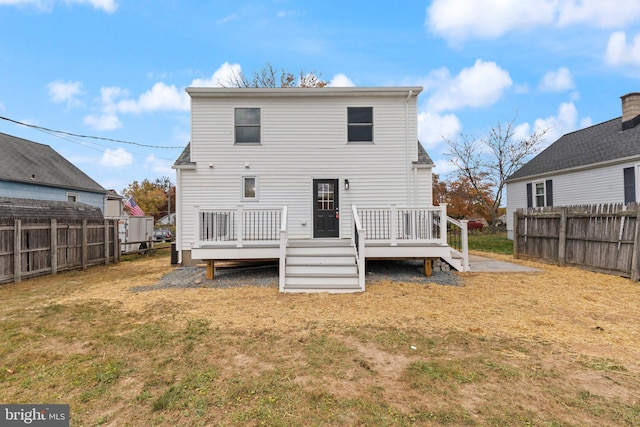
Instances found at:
x=589 y=186
x=302 y=138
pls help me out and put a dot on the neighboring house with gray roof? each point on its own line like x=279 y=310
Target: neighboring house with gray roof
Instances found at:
x=598 y=164
x=29 y=170
x=264 y=163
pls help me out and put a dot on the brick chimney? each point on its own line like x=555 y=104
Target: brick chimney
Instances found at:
x=630 y=110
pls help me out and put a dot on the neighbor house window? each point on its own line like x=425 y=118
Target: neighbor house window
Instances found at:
x=540 y=194
x=72 y=197
x=249 y=188
x=360 y=124
x=629 y=185
x=247 y=125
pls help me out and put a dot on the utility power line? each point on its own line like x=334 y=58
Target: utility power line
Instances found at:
x=60 y=132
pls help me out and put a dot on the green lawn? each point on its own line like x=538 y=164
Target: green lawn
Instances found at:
x=486 y=242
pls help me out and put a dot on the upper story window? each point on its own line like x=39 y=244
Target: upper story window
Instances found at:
x=247 y=125
x=360 y=124
x=72 y=197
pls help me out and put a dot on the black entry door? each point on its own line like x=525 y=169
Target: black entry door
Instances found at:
x=326 y=214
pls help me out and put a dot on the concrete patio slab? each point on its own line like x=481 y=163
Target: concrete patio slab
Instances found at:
x=480 y=264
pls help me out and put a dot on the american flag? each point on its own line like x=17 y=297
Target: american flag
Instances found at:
x=133 y=207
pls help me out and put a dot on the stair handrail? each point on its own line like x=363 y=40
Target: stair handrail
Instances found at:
x=358 y=242
x=464 y=240
x=283 y=247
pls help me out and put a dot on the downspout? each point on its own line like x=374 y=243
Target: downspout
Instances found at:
x=406 y=133
x=178 y=209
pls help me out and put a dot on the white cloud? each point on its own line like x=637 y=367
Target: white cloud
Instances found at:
x=458 y=20
x=557 y=81
x=65 y=92
x=434 y=128
x=478 y=86
x=108 y=6
x=566 y=121
x=161 y=97
x=464 y=19
x=159 y=166
x=117 y=158
x=620 y=53
x=103 y=122
x=224 y=76
x=43 y=5
x=340 y=80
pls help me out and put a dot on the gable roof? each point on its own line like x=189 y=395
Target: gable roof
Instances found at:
x=11 y=208
x=423 y=157
x=184 y=159
x=33 y=163
x=599 y=143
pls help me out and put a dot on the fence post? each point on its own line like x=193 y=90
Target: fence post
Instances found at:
x=85 y=241
x=635 y=264
x=54 y=246
x=116 y=240
x=562 y=238
x=516 y=218
x=106 y=241
x=17 y=248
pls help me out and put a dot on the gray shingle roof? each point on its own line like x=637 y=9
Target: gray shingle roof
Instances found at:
x=30 y=162
x=423 y=157
x=598 y=143
x=11 y=208
x=184 y=158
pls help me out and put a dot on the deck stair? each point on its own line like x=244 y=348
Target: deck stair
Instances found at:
x=321 y=265
x=454 y=260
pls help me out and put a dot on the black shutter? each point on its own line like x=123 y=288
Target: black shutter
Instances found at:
x=548 y=187
x=629 y=185
x=529 y=195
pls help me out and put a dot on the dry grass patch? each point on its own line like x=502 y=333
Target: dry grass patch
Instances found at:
x=559 y=347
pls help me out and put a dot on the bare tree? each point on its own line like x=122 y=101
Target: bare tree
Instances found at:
x=491 y=159
x=269 y=76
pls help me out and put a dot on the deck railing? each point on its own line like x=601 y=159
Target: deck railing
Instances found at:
x=235 y=226
x=400 y=224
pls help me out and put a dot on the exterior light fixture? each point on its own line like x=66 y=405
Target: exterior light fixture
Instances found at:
x=346 y=184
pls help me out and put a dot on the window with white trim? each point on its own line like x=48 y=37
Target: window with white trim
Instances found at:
x=247 y=125
x=72 y=197
x=539 y=198
x=359 y=124
x=540 y=194
x=249 y=188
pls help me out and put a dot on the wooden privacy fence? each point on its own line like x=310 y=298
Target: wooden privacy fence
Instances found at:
x=35 y=247
x=604 y=238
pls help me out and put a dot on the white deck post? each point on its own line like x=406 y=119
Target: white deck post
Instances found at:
x=465 y=245
x=443 y=223
x=239 y=225
x=393 y=221
x=283 y=250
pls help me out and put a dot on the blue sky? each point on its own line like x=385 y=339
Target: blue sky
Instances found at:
x=118 y=68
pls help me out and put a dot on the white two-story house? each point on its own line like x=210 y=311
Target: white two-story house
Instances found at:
x=317 y=178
